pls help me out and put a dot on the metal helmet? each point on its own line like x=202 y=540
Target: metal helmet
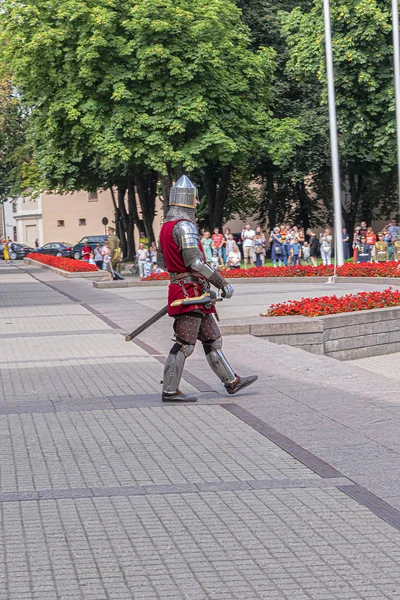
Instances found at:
x=183 y=193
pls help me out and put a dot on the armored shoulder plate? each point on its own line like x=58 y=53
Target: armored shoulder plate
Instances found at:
x=186 y=235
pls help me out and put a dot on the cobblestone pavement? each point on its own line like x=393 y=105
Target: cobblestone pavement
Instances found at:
x=105 y=494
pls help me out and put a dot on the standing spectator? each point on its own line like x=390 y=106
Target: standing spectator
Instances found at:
x=248 y=236
x=260 y=232
x=11 y=249
x=229 y=244
x=37 y=243
x=371 y=241
x=381 y=249
x=98 y=258
x=234 y=257
x=393 y=230
x=388 y=239
x=86 y=250
x=106 y=254
x=225 y=252
x=363 y=228
x=6 y=251
x=305 y=253
x=356 y=239
x=314 y=247
x=300 y=236
x=143 y=239
x=207 y=246
x=295 y=252
x=91 y=259
x=153 y=256
x=326 y=246
x=396 y=249
x=259 y=248
x=115 y=251
x=363 y=250
x=276 y=246
x=142 y=255
x=218 y=243
x=345 y=240
x=147 y=267
x=215 y=260
x=286 y=245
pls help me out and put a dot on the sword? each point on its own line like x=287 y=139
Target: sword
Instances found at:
x=147 y=324
x=206 y=299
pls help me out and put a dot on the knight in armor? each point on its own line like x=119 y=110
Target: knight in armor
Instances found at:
x=180 y=252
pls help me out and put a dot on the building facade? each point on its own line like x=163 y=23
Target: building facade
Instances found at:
x=8 y=224
x=71 y=217
x=68 y=218
x=29 y=219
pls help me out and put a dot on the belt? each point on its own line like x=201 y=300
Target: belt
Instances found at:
x=188 y=278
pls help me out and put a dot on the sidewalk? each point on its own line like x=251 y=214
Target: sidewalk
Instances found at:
x=289 y=491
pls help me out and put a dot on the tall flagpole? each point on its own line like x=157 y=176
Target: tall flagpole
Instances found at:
x=396 y=54
x=337 y=201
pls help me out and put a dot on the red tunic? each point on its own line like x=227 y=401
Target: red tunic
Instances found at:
x=174 y=263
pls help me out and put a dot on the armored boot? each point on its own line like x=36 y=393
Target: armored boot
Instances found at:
x=219 y=364
x=173 y=370
x=240 y=383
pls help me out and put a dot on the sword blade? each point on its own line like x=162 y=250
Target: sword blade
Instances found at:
x=161 y=313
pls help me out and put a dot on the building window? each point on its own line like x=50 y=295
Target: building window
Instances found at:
x=14 y=207
x=92 y=197
x=82 y=222
x=60 y=223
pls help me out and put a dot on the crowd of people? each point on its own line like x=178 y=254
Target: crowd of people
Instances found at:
x=7 y=247
x=371 y=247
x=107 y=256
x=288 y=246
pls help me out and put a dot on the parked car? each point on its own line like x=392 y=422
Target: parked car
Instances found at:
x=92 y=240
x=18 y=251
x=56 y=249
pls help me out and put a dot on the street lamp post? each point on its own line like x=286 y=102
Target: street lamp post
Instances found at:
x=337 y=202
x=396 y=56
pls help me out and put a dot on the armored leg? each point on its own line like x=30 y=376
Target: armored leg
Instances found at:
x=186 y=329
x=210 y=336
x=212 y=343
x=218 y=362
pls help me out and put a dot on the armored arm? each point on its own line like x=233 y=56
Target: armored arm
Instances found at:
x=186 y=236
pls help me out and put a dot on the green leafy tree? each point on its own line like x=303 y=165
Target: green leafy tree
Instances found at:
x=12 y=138
x=123 y=90
x=296 y=140
x=364 y=90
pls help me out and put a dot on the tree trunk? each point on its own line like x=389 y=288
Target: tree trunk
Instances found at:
x=271 y=197
x=166 y=183
x=146 y=186
x=130 y=236
x=124 y=221
x=216 y=193
x=304 y=204
x=356 y=191
x=117 y=215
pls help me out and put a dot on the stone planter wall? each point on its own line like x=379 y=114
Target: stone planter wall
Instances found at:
x=347 y=336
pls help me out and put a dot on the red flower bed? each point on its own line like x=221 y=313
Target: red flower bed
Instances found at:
x=387 y=269
x=331 y=305
x=66 y=264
